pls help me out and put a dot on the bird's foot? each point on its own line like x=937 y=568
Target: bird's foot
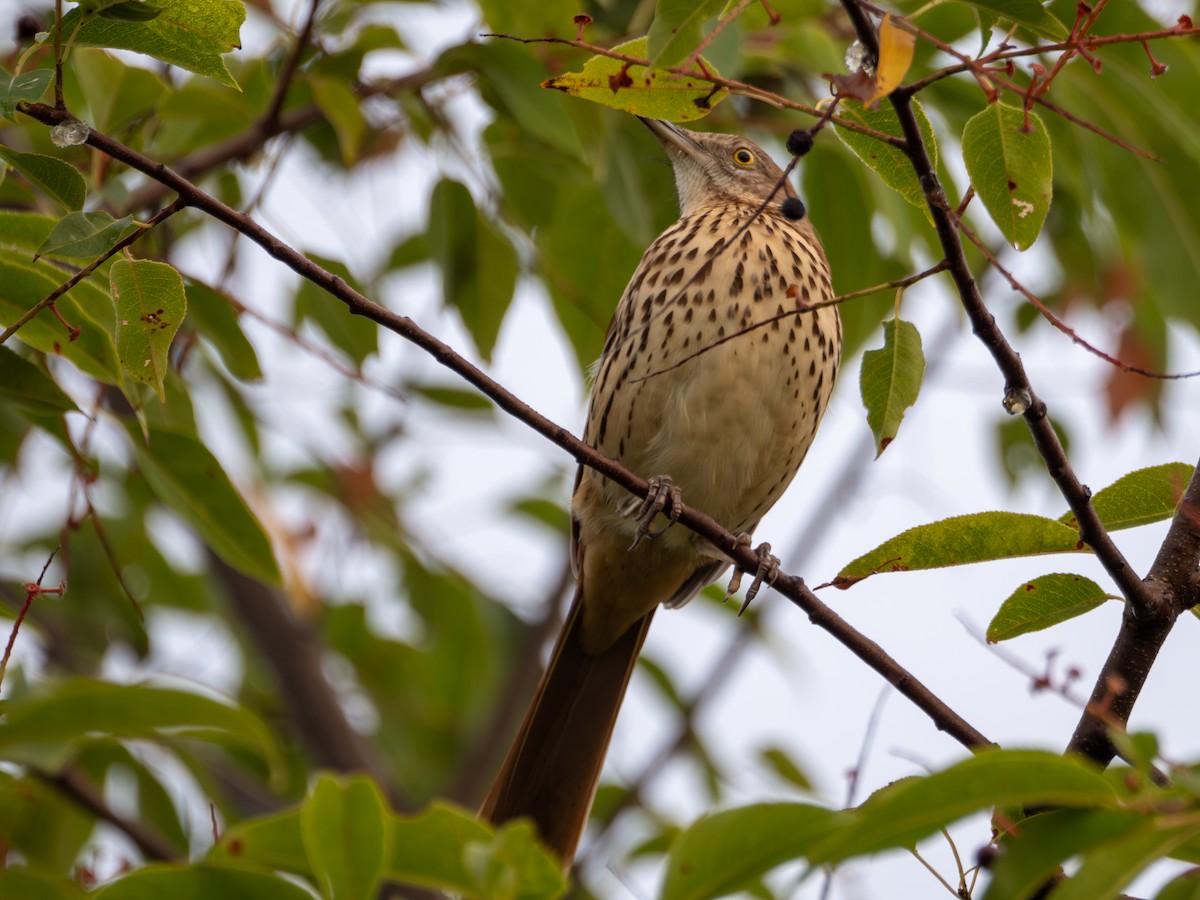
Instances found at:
x=665 y=497
x=768 y=571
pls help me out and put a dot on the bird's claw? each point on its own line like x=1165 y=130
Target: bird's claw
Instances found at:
x=768 y=571
x=665 y=498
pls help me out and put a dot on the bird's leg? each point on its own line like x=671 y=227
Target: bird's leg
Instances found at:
x=662 y=490
x=768 y=571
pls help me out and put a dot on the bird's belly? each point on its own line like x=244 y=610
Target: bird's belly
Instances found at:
x=736 y=427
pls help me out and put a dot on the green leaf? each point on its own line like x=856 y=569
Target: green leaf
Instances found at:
x=86 y=306
x=185 y=33
x=346 y=836
x=24 y=230
x=356 y=336
x=269 y=842
x=976 y=537
x=890 y=380
x=150 y=308
x=510 y=78
x=84 y=234
x=780 y=762
x=479 y=265
x=26 y=86
x=215 y=317
x=903 y=813
x=466 y=400
x=42 y=728
x=653 y=93
x=1139 y=498
x=55 y=178
x=678 y=28
x=1181 y=887
x=41 y=824
x=200 y=882
x=1045 y=841
x=187 y=478
x=887 y=161
x=725 y=852
x=1029 y=13
x=339 y=106
x=130 y=11
x=1011 y=170
x=36 y=883
x=1043 y=602
x=29 y=387
x=1109 y=868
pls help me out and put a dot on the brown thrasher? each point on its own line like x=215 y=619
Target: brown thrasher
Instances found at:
x=715 y=373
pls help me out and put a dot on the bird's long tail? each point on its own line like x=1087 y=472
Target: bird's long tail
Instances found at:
x=553 y=767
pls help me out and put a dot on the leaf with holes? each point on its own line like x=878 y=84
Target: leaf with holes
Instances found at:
x=1043 y=602
x=150 y=307
x=890 y=380
x=1007 y=154
x=653 y=93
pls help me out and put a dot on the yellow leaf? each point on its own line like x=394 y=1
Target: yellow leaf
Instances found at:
x=895 y=56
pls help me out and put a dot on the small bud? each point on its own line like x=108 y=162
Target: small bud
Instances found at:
x=799 y=142
x=793 y=208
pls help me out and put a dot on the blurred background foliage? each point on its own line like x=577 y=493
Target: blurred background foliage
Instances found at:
x=371 y=650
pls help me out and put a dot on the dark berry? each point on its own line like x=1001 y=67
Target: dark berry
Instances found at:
x=793 y=208
x=799 y=142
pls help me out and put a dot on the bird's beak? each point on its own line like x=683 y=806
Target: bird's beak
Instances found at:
x=672 y=137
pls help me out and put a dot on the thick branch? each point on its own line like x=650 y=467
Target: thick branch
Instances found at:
x=742 y=556
x=1175 y=579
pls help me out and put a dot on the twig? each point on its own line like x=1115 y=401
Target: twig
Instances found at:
x=1054 y=320
x=32 y=589
x=270 y=118
x=75 y=785
x=247 y=143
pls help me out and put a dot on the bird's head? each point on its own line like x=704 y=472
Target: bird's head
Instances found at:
x=713 y=168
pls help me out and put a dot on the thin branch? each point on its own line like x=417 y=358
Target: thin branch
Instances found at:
x=249 y=142
x=270 y=118
x=1054 y=320
x=76 y=786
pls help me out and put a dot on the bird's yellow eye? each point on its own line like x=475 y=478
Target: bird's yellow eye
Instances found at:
x=743 y=157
